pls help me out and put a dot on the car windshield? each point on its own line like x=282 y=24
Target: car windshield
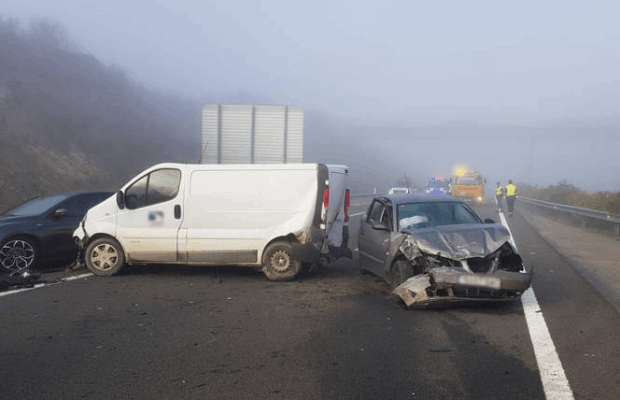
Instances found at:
x=468 y=180
x=38 y=205
x=425 y=215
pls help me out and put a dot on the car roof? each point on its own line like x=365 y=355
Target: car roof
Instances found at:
x=401 y=198
x=77 y=193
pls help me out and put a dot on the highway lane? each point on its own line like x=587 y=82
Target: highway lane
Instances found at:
x=228 y=333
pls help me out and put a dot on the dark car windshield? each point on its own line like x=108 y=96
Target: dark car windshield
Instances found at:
x=38 y=205
x=424 y=215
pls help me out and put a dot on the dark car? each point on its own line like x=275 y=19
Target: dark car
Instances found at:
x=42 y=228
x=450 y=251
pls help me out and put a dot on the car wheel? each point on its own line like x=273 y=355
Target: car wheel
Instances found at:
x=104 y=256
x=401 y=271
x=18 y=254
x=278 y=264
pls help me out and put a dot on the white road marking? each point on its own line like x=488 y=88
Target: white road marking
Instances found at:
x=554 y=381
x=355 y=215
x=40 y=285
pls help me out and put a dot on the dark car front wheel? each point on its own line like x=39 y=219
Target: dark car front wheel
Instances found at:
x=104 y=257
x=18 y=254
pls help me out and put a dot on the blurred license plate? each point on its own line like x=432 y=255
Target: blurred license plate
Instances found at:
x=480 y=281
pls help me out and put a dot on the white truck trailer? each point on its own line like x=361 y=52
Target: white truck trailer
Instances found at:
x=252 y=134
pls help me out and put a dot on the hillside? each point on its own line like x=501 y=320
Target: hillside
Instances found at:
x=67 y=122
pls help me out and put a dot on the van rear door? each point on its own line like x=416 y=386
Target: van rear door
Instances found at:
x=337 y=212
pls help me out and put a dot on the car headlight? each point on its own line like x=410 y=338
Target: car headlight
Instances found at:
x=479 y=198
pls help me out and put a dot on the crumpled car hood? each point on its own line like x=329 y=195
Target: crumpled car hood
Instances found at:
x=457 y=242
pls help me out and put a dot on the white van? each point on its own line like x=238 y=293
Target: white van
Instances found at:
x=282 y=217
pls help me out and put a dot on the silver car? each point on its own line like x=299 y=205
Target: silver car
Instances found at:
x=436 y=249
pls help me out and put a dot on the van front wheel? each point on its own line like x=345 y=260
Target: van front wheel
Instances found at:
x=278 y=264
x=104 y=256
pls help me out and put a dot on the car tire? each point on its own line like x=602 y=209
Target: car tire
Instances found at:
x=278 y=265
x=104 y=256
x=18 y=254
x=401 y=271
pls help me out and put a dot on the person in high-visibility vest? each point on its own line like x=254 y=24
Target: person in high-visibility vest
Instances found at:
x=511 y=195
x=499 y=194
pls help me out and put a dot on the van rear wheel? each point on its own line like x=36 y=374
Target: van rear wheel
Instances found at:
x=278 y=265
x=104 y=256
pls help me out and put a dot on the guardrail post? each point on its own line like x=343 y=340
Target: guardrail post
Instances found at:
x=617 y=229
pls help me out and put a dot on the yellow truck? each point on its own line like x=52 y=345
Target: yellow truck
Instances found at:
x=468 y=186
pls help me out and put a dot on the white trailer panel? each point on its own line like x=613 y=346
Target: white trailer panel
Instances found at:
x=235 y=134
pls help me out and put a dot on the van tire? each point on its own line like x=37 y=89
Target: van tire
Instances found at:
x=278 y=265
x=104 y=256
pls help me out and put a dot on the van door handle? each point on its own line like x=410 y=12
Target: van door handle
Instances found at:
x=177 y=211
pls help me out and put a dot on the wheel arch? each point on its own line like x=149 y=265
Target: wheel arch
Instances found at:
x=288 y=238
x=400 y=256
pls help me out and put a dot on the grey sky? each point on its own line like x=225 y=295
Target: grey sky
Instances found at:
x=393 y=63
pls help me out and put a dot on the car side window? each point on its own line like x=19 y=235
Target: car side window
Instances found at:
x=379 y=213
x=74 y=208
x=157 y=187
x=385 y=218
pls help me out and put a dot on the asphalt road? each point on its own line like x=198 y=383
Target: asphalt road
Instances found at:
x=229 y=333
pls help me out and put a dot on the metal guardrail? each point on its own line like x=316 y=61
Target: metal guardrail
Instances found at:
x=578 y=216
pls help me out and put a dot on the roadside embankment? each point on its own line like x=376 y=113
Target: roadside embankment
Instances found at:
x=595 y=257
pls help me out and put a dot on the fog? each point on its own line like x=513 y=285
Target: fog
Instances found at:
x=527 y=90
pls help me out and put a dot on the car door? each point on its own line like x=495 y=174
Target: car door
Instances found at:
x=57 y=228
x=374 y=244
x=149 y=223
x=62 y=221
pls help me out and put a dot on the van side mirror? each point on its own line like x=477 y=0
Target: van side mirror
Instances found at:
x=120 y=200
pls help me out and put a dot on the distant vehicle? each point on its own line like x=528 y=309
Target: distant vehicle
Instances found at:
x=452 y=255
x=396 y=190
x=469 y=187
x=437 y=186
x=281 y=217
x=41 y=229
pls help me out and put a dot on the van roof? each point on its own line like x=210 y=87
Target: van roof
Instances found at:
x=224 y=167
